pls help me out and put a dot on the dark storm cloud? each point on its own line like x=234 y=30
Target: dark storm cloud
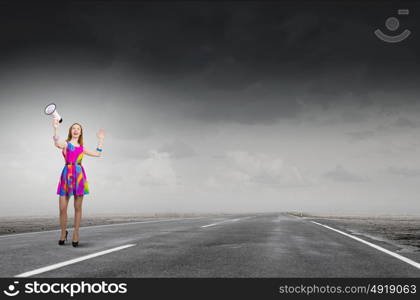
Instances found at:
x=339 y=173
x=178 y=149
x=404 y=171
x=360 y=135
x=245 y=62
x=49 y=34
x=405 y=122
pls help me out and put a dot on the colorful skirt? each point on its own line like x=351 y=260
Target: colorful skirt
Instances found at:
x=73 y=181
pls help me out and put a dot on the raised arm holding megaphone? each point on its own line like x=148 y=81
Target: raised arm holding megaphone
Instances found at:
x=56 y=138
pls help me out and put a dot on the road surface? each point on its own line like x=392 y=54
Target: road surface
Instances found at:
x=253 y=245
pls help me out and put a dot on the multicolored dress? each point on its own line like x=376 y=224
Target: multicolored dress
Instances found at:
x=73 y=180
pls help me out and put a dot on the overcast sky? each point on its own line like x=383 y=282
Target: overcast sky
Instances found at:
x=213 y=107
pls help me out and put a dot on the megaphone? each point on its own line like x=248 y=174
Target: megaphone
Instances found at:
x=51 y=110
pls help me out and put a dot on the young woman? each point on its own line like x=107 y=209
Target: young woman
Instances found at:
x=73 y=180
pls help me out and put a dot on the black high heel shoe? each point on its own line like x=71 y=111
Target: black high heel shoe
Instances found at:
x=61 y=242
x=75 y=244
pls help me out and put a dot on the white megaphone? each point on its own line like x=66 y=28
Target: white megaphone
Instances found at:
x=51 y=110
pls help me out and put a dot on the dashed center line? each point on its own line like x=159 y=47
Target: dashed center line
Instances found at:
x=214 y=224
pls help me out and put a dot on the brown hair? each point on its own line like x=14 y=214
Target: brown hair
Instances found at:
x=80 y=140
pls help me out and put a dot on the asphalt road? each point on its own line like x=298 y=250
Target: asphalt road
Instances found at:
x=254 y=245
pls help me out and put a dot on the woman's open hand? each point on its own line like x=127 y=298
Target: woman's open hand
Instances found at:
x=101 y=134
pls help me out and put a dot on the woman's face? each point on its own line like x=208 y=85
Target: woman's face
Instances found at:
x=76 y=131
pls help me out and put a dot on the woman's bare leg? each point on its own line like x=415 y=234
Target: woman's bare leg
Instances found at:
x=78 y=200
x=64 y=201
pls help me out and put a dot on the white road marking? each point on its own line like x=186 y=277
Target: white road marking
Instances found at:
x=290 y=215
x=104 y=225
x=234 y=220
x=400 y=257
x=72 y=261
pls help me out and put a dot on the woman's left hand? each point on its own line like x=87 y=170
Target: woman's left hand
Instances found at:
x=101 y=134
